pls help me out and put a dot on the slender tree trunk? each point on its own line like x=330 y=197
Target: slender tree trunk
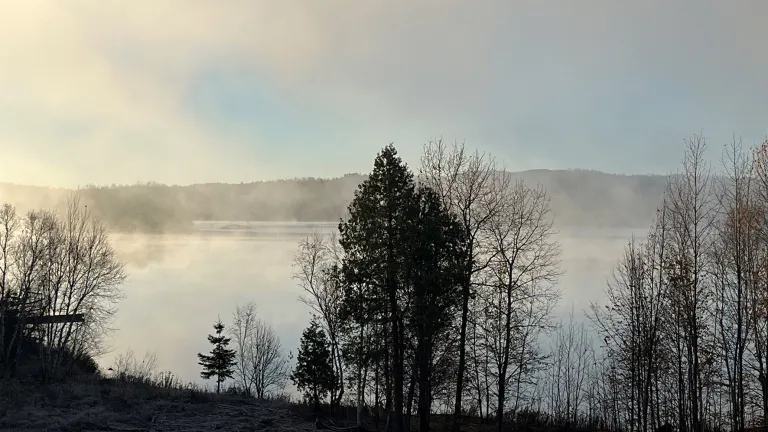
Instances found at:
x=425 y=403
x=360 y=378
x=388 y=376
x=376 y=395
x=500 y=408
x=465 y=293
x=696 y=399
x=764 y=388
x=424 y=378
x=338 y=374
x=502 y=385
x=397 y=367
x=487 y=388
x=411 y=391
x=478 y=382
x=681 y=412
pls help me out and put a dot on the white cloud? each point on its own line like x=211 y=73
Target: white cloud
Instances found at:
x=119 y=70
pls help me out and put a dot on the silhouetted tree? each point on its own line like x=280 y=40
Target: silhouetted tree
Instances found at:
x=571 y=360
x=734 y=269
x=691 y=211
x=269 y=364
x=244 y=321
x=221 y=360
x=56 y=263
x=314 y=372
x=523 y=273
x=471 y=186
x=434 y=271
x=316 y=265
x=758 y=303
x=375 y=241
x=261 y=366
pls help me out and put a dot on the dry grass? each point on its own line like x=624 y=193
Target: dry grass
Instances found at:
x=111 y=405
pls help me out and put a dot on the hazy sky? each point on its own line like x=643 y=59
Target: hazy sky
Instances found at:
x=186 y=91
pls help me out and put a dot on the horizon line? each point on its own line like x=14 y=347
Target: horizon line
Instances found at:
x=153 y=183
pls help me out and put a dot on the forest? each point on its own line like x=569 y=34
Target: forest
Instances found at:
x=437 y=296
x=578 y=197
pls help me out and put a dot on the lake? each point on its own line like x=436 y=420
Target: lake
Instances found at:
x=179 y=284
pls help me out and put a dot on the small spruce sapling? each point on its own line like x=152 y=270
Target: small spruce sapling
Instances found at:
x=221 y=361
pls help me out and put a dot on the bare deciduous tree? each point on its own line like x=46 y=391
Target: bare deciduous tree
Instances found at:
x=630 y=323
x=525 y=268
x=262 y=367
x=81 y=275
x=759 y=295
x=244 y=321
x=691 y=212
x=9 y=227
x=270 y=365
x=472 y=187
x=315 y=268
x=571 y=362
x=734 y=269
x=58 y=264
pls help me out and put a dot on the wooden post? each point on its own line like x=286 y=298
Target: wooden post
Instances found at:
x=56 y=319
x=12 y=336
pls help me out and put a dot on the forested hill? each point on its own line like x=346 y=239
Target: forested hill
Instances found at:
x=579 y=198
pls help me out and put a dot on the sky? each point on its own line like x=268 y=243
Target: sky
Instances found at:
x=190 y=91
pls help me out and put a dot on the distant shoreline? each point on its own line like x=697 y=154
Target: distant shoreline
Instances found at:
x=579 y=200
x=289 y=229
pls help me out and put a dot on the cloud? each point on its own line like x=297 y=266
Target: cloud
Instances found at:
x=96 y=89
x=61 y=74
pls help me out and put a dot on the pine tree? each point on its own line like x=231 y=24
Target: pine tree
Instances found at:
x=314 y=373
x=375 y=242
x=434 y=257
x=221 y=361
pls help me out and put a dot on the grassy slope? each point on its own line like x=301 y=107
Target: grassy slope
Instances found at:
x=109 y=405
x=94 y=404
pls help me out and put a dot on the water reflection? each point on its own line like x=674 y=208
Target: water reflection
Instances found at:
x=179 y=285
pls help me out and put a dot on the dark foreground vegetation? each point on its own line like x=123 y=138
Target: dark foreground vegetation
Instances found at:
x=437 y=296
x=120 y=404
x=433 y=308
x=125 y=404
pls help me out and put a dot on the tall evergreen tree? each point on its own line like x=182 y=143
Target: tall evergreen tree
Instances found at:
x=221 y=361
x=314 y=372
x=375 y=241
x=436 y=251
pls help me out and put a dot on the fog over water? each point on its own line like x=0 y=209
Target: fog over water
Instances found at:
x=179 y=284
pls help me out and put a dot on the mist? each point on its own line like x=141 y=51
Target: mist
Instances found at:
x=579 y=198
x=180 y=284
x=194 y=253
x=209 y=139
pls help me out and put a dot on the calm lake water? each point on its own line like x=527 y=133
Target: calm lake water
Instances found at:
x=179 y=284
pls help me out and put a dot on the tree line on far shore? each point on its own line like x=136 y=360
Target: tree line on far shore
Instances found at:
x=579 y=198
